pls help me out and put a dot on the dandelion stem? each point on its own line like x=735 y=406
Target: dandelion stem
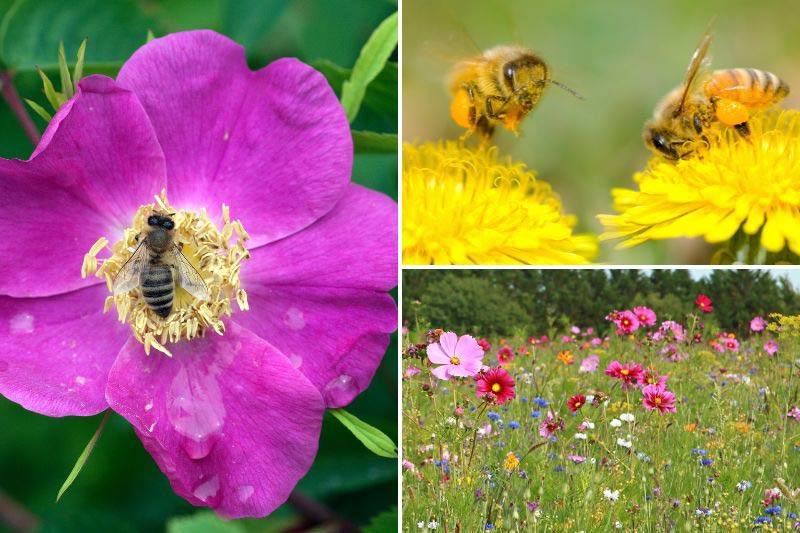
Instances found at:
x=13 y=100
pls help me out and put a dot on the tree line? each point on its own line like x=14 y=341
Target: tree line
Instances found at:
x=535 y=302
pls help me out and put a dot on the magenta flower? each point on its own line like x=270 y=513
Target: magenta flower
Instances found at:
x=771 y=347
x=233 y=417
x=731 y=344
x=551 y=424
x=630 y=374
x=627 y=322
x=758 y=324
x=576 y=458
x=794 y=412
x=658 y=397
x=645 y=315
x=459 y=357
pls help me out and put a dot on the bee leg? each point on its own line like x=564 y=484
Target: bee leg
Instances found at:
x=743 y=129
x=490 y=112
x=698 y=123
x=485 y=130
x=473 y=111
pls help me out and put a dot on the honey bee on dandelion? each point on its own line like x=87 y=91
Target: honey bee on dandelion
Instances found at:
x=705 y=99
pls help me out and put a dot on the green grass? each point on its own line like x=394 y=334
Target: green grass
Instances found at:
x=731 y=404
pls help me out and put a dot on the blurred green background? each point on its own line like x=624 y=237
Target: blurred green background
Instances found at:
x=621 y=55
x=121 y=489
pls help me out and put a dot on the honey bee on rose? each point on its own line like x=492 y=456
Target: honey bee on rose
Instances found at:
x=158 y=267
x=499 y=87
x=726 y=97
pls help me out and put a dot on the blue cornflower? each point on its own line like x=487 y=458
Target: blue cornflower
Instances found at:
x=706 y=462
x=472 y=408
x=523 y=400
x=493 y=416
x=699 y=451
x=791 y=515
x=558 y=469
x=541 y=402
x=536 y=414
x=743 y=485
x=763 y=520
x=489 y=526
x=551 y=455
x=513 y=424
x=773 y=510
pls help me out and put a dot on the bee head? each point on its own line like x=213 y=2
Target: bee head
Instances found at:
x=164 y=221
x=664 y=142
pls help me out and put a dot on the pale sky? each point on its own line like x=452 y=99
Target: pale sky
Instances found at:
x=792 y=273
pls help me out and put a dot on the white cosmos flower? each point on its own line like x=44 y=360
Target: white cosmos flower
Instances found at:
x=615 y=423
x=588 y=424
x=580 y=436
x=625 y=443
x=611 y=495
x=626 y=417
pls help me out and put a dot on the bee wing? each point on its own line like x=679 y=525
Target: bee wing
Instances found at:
x=700 y=60
x=188 y=277
x=129 y=276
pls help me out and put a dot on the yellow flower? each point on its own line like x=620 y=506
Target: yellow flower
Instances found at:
x=511 y=462
x=749 y=184
x=468 y=206
x=566 y=357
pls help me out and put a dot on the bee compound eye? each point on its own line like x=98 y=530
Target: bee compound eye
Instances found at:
x=168 y=224
x=152 y=221
x=508 y=72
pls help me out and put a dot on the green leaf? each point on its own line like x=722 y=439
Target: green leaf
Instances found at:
x=78 y=72
x=369 y=64
x=202 y=522
x=54 y=97
x=385 y=521
x=66 y=81
x=370 y=142
x=39 y=110
x=371 y=437
x=81 y=462
x=150 y=36
x=31 y=30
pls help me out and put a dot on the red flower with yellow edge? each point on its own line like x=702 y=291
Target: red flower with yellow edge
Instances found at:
x=576 y=402
x=495 y=385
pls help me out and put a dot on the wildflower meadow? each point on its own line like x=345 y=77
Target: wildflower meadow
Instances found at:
x=647 y=421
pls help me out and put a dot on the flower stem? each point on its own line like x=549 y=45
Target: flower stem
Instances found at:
x=11 y=97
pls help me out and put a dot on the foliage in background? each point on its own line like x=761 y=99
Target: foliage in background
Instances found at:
x=120 y=488
x=505 y=302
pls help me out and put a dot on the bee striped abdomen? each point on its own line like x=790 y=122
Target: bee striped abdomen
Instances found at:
x=158 y=289
x=752 y=87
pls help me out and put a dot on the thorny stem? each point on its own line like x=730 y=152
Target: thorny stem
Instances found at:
x=11 y=97
x=15 y=516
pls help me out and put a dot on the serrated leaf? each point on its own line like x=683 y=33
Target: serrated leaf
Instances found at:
x=369 y=64
x=78 y=72
x=39 y=110
x=370 y=142
x=49 y=91
x=66 y=81
x=202 y=522
x=385 y=521
x=81 y=462
x=371 y=437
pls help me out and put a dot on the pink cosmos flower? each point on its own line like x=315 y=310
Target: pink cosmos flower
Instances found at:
x=186 y=115
x=645 y=315
x=505 y=355
x=496 y=385
x=575 y=330
x=550 y=425
x=576 y=458
x=412 y=371
x=731 y=344
x=590 y=363
x=771 y=347
x=630 y=374
x=794 y=412
x=651 y=377
x=626 y=322
x=484 y=344
x=658 y=397
x=459 y=357
x=758 y=324
x=704 y=303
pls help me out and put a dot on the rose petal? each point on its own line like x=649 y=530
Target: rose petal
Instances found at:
x=55 y=352
x=274 y=144
x=335 y=337
x=228 y=420
x=318 y=295
x=98 y=162
x=355 y=246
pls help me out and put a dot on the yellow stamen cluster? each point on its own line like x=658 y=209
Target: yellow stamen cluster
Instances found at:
x=216 y=254
x=736 y=185
x=469 y=206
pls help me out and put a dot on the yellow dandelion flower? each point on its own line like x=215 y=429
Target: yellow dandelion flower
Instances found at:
x=469 y=206
x=511 y=463
x=736 y=188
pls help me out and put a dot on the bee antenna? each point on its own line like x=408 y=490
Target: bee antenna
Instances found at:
x=573 y=92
